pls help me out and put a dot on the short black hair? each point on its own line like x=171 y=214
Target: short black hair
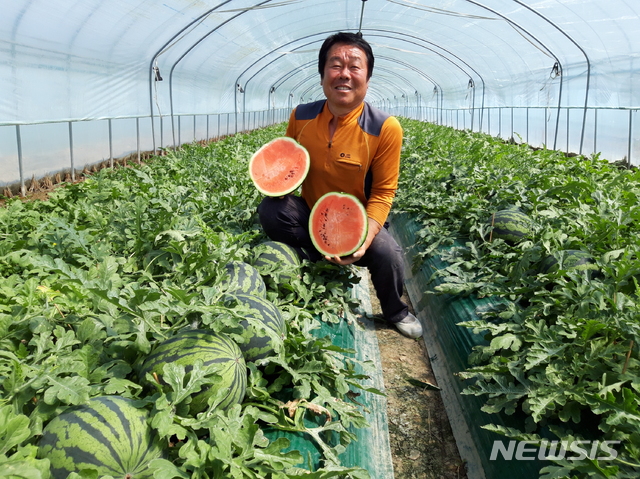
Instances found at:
x=348 y=38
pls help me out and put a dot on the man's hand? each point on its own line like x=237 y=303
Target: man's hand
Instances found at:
x=374 y=229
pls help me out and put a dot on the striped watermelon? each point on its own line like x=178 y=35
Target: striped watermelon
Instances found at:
x=264 y=327
x=218 y=352
x=108 y=434
x=274 y=257
x=572 y=260
x=243 y=278
x=511 y=225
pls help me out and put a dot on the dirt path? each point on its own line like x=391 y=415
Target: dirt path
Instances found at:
x=422 y=444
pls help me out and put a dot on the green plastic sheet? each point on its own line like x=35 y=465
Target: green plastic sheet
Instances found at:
x=449 y=346
x=371 y=450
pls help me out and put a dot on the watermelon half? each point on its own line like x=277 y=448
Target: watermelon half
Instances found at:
x=338 y=224
x=279 y=167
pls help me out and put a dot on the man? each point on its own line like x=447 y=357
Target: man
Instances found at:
x=354 y=148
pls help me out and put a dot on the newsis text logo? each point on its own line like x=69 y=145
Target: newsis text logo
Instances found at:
x=554 y=450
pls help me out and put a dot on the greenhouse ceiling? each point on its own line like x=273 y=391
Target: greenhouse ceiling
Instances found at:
x=79 y=60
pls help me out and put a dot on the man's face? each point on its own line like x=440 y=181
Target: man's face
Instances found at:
x=345 y=78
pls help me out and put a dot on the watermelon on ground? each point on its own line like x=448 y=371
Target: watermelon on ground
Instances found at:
x=275 y=257
x=107 y=434
x=571 y=260
x=279 y=167
x=270 y=254
x=241 y=277
x=219 y=354
x=338 y=224
x=264 y=326
x=510 y=224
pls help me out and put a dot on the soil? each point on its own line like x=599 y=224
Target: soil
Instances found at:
x=421 y=440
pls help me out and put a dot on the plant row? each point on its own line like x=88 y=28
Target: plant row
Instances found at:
x=561 y=350
x=95 y=277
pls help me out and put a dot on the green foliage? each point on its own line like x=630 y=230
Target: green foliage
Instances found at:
x=92 y=279
x=562 y=347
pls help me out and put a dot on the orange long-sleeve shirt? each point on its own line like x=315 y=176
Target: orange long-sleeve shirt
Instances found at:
x=362 y=158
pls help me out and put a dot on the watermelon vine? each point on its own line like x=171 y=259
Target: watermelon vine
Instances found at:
x=94 y=278
x=562 y=347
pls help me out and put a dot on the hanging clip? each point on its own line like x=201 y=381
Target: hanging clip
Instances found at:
x=156 y=73
x=555 y=71
x=471 y=83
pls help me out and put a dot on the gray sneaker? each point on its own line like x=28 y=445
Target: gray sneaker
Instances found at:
x=410 y=326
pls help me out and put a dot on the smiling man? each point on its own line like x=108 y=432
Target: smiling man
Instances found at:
x=354 y=148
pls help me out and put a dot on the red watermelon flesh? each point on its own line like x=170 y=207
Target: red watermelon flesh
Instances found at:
x=279 y=167
x=338 y=224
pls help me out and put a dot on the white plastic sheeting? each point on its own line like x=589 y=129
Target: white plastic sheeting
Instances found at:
x=78 y=78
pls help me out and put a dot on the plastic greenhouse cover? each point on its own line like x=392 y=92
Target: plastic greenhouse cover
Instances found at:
x=106 y=67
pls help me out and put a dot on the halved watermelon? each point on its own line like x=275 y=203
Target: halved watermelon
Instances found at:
x=338 y=224
x=279 y=167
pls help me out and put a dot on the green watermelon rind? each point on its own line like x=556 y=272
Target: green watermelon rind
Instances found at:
x=511 y=225
x=218 y=352
x=271 y=253
x=243 y=278
x=108 y=434
x=574 y=260
x=316 y=210
x=264 y=326
x=290 y=188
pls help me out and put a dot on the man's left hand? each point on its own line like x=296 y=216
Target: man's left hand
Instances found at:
x=345 y=260
x=374 y=228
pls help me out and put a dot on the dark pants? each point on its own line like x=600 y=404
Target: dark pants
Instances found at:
x=287 y=220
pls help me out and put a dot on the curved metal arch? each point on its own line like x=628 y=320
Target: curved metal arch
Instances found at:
x=300 y=46
x=437 y=86
x=425 y=41
x=447 y=59
x=548 y=50
x=237 y=83
x=188 y=50
x=401 y=37
x=285 y=77
x=298 y=70
x=586 y=95
x=395 y=61
x=157 y=54
x=421 y=73
x=377 y=56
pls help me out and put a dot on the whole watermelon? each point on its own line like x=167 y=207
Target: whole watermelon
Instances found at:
x=264 y=327
x=241 y=277
x=275 y=253
x=218 y=353
x=510 y=225
x=572 y=259
x=275 y=257
x=108 y=434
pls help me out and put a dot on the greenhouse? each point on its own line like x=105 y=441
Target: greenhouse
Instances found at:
x=151 y=325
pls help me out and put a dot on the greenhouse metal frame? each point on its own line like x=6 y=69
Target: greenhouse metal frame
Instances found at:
x=102 y=80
